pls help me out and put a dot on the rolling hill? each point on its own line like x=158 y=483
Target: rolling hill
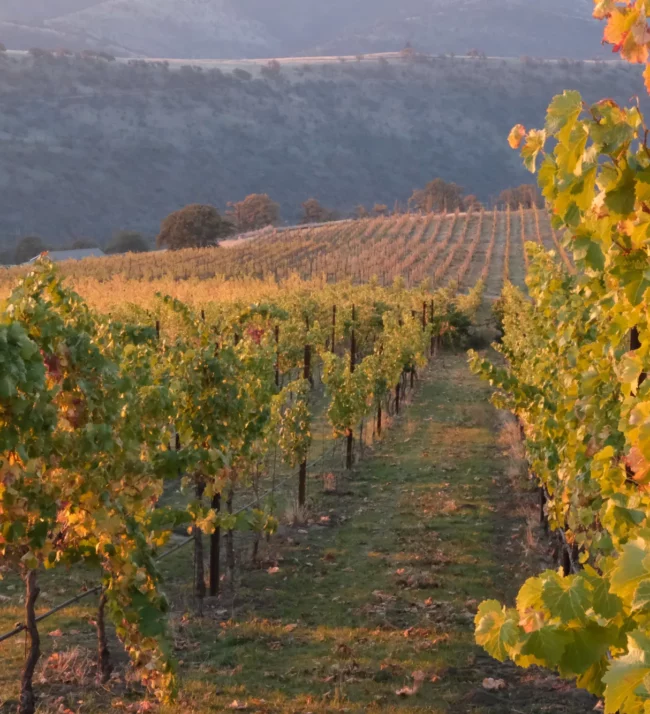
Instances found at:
x=89 y=146
x=267 y=28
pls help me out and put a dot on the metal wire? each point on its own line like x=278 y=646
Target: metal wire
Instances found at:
x=81 y=596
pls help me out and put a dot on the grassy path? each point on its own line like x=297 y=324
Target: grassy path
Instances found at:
x=389 y=582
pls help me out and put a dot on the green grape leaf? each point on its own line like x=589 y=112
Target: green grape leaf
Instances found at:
x=605 y=603
x=572 y=215
x=587 y=646
x=544 y=647
x=621 y=199
x=643 y=185
x=7 y=387
x=635 y=289
x=566 y=598
x=562 y=114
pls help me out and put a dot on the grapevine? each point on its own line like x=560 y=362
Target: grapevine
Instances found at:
x=99 y=413
x=577 y=360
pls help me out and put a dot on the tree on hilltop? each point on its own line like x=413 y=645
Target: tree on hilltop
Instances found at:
x=313 y=212
x=254 y=212
x=195 y=226
x=128 y=242
x=526 y=195
x=271 y=69
x=472 y=202
x=437 y=196
x=407 y=52
x=81 y=243
x=27 y=248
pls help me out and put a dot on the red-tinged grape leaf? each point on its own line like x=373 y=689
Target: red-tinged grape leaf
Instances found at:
x=516 y=136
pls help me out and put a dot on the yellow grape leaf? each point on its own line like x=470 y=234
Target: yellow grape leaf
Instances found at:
x=603 y=8
x=617 y=26
x=630 y=569
x=633 y=50
x=626 y=674
x=639 y=33
x=530 y=605
x=497 y=629
x=534 y=144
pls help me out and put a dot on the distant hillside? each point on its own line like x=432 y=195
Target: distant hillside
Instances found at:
x=266 y=28
x=88 y=146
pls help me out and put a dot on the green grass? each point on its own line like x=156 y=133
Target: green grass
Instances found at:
x=387 y=585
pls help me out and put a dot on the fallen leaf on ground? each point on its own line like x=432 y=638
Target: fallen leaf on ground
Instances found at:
x=273 y=571
x=290 y=628
x=55 y=633
x=238 y=705
x=418 y=679
x=493 y=684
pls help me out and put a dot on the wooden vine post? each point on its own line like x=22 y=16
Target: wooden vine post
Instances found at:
x=230 y=535
x=333 y=327
x=302 y=478
x=27 y=703
x=199 y=567
x=350 y=435
x=379 y=412
x=398 y=388
x=412 y=370
x=277 y=356
x=215 y=547
x=103 y=654
x=215 y=538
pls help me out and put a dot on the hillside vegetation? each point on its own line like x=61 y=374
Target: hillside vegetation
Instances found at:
x=88 y=146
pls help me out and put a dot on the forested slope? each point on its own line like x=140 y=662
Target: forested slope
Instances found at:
x=88 y=146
